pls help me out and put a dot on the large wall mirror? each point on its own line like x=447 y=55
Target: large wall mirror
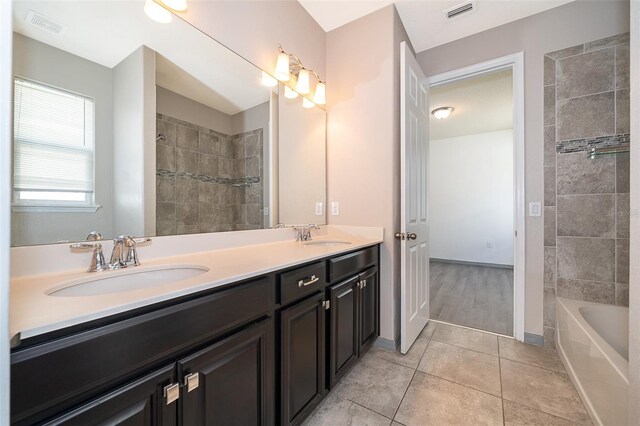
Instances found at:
x=123 y=125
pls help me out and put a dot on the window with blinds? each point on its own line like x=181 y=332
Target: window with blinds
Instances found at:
x=53 y=150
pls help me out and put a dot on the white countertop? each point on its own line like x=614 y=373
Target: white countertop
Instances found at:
x=33 y=312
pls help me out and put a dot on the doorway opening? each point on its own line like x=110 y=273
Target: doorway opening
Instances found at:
x=475 y=198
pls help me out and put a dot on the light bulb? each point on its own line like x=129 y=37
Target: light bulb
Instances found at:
x=177 y=5
x=303 y=82
x=290 y=93
x=157 y=12
x=307 y=103
x=282 y=67
x=268 y=81
x=442 y=112
x=320 y=97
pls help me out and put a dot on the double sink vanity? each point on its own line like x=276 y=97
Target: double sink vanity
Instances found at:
x=251 y=334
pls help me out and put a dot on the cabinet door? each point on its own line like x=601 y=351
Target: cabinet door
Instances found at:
x=369 y=319
x=343 y=332
x=140 y=403
x=230 y=382
x=302 y=359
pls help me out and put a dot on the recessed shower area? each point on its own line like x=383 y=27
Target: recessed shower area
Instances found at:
x=471 y=201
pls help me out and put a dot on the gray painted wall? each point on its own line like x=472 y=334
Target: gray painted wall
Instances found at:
x=45 y=64
x=558 y=28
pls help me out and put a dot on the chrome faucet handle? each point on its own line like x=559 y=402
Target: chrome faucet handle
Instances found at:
x=306 y=234
x=131 y=259
x=94 y=236
x=97 y=257
x=118 y=256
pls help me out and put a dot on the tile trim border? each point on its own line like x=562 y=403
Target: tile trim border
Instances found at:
x=245 y=181
x=586 y=144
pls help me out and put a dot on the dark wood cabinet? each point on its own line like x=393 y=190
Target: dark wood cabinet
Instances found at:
x=140 y=403
x=230 y=382
x=302 y=358
x=343 y=328
x=369 y=318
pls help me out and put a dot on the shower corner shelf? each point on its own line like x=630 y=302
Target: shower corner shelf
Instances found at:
x=609 y=150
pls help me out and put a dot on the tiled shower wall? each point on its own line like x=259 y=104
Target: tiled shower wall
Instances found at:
x=586 y=202
x=206 y=181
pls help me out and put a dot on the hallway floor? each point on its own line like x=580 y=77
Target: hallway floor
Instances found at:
x=474 y=296
x=455 y=376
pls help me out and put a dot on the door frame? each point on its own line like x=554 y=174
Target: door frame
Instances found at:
x=515 y=62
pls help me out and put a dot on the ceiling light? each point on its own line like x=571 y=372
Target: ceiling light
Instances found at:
x=303 y=82
x=320 y=97
x=268 y=80
x=289 y=93
x=177 y=5
x=157 y=12
x=307 y=103
x=442 y=112
x=282 y=67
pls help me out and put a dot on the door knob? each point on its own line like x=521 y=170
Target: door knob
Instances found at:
x=411 y=236
x=399 y=235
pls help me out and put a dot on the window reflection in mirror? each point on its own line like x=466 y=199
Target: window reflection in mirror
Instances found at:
x=149 y=129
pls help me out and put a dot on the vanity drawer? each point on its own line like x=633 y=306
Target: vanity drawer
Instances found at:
x=94 y=361
x=302 y=281
x=344 y=266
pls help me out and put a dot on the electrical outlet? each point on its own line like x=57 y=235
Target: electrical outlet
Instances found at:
x=335 y=208
x=319 y=208
x=489 y=244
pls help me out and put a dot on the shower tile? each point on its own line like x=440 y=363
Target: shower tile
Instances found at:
x=208 y=143
x=590 y=291
x=208 y=164
x=550 y=146
x=208 y=214
x=226 y=148
x=550 y=267
x=606 y=42
x=187 y=213
x=623 y=213
x=186 y=229
x=186 y=160
x=622 y=294
x=165 y=158
x=165 y=212
x=549 y=71
x=549 y=226
x=622 y=111
x=549 y=307
x=165 y=189
x=549 y=105
x=586 y=215
x=254 y=214
x=225 y=167
x=549 y=185
x=622 y=261
x=186 y=190
x=622 y=173
x=253 y=195
x=187 y=138
x=569 y=51
x=238 y=147
x=549 y=337
x=165 y=228
x=586 y=74
x=168 y=130
x=253 y=147
x=622 y=66
x=585 y=117
x=586 y=259
x=578 y=174
x=253 y=166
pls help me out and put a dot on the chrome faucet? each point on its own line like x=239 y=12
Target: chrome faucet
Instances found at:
x=303 y=233
x=124 y=253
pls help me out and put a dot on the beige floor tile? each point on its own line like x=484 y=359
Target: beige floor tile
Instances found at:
x=542 y=389
x=337 y=411
x=464 y=366
x=519 y=415
x=434 y=401
x=376 y=384
x=470 y=339
x=412 y=358
x=538 y=356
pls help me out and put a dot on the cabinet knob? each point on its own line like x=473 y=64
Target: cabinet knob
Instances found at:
x=411 y=236
x=192 y=381
x=172 y=393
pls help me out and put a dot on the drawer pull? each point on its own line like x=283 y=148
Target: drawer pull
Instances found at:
x=172 y=392
x=303 y=283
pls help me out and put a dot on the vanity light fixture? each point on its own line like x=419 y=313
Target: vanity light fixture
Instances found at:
x=289 y=66
x=289 y=93
x=156 y=12
x=268 y=80
x=177 y=5
x=442 y=112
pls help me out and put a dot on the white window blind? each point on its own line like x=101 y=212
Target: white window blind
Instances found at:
x=53 y=144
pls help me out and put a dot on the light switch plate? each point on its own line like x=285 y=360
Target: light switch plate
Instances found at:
x=319 y=208
x=335 y=208
x=535 y=209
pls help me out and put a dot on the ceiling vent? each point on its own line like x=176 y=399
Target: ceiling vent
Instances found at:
x=44 y=23
x=460 y=10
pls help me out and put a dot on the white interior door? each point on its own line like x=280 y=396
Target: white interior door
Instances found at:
x=414 y=113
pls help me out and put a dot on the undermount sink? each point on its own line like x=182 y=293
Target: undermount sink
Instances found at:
x=326 y=243
x=126 y=280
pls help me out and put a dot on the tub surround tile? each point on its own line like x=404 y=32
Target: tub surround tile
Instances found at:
x=165 y=189
x=463 y=366
x=622 y=111
x=550 y=267
x=537 y=356
x=622 y=66
x=586 y=215
x=412 y=358
x=549 y=185
x=550 y=145
x=549 y=337
x=519 y=415
x=586 y=258
x=186 y=190
x=165 y=228
x=166 y=129
x=623 y=215
x=549 y=71
x=622 y=261
x=622 y=173
x=579 y=175
x=586 y=116
x=549 y=105
x=606 y=42
x=187 y=138
x=543 y=390
x=549 y=307
x=569 y=51
x=466 y=338
x=586 y=74
x=622 y=294
x=165 y=157
x=549 y=226
x=431 y=401
x=590 y=291
x=376 y=384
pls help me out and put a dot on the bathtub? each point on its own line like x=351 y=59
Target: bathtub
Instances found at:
x=593 y=342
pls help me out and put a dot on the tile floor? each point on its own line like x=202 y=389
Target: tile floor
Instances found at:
x=455 y=376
